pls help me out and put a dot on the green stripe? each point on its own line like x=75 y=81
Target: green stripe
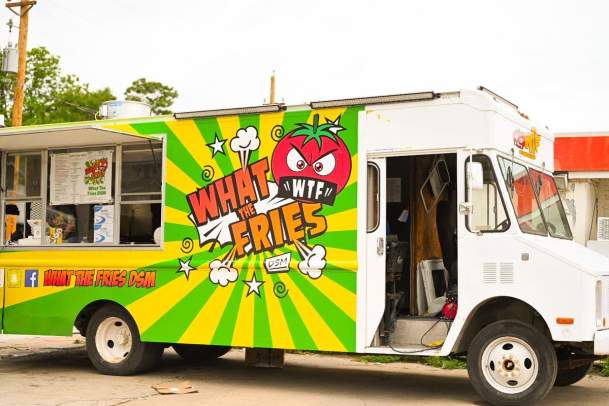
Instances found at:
x=172 y=325
x=344 y=201
x=345 y=278
x=209 y=127
x=186 y=310
x=176 y=151
x=176 y=199
x=177 y=232
x=349 y=120
x=300 y=335
x=346 y=240
x=341 y=324
x=55 y=314
x=292 y=118
x=262 y=328
x=253 y=120
x=226 y=326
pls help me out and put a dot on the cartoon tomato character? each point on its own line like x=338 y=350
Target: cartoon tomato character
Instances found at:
x=312 y=163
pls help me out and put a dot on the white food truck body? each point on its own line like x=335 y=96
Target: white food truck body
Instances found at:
x=554 y=284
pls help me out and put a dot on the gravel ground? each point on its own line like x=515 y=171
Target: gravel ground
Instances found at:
x=55 y=371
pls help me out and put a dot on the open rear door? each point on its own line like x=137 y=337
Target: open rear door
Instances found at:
x=375 y=246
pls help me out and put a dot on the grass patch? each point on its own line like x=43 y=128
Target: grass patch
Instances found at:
x=436 y=362
x=382 y=359
x=444 y=363
x=604 y=367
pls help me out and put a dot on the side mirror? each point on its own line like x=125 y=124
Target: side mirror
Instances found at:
x=475 y=176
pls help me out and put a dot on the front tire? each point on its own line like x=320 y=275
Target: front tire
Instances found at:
x=200 y=353
x=511 y=363
x=114 y=346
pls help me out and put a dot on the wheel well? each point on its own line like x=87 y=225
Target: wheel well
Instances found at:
x=82 y=319
x=495 y=309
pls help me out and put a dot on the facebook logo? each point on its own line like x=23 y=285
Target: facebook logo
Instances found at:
x=31 y=278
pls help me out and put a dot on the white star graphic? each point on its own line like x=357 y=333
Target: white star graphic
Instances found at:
x=217 y=146
x=336 y=127
x=253 y=286
x=185 y=267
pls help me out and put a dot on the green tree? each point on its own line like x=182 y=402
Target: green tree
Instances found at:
x=160 y=97
x=51 y=96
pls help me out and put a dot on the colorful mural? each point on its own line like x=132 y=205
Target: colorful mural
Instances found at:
x=260 y=235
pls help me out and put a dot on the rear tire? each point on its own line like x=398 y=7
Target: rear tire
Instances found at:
x=200 y=353
x=511 y=363
x=114 y=346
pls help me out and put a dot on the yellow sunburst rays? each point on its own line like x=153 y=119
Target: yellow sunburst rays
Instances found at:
x=175 y=216
x=20 y=295
x=342 y=221
x=243 y=335
x=177 y=178
x=280 y=331
x=189 y=135
x=329 y=114
x=150 y=308
x=342 y=297
x=322 y=334
x=229 y=125
x=204 y=325
x=267 y=143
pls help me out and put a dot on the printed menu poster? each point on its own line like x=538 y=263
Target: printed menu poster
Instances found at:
x=103 y=227
x=81 y=177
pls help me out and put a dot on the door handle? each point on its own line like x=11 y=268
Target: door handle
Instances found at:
x=380 y=246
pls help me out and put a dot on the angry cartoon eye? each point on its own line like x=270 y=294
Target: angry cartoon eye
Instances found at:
x=325 y=165
x=295 y=161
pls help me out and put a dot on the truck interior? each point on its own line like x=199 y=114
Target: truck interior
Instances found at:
x=421 y=252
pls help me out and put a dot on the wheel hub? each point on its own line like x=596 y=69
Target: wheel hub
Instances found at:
x=510 y=365
x=113 y=340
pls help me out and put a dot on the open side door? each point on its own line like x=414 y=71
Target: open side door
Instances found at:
x=376 y=234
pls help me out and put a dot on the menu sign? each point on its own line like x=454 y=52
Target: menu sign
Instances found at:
x=81 y=177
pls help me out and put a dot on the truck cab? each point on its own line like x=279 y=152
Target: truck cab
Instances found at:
x=461 y=190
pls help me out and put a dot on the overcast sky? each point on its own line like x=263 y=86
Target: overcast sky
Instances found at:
x=549 y=57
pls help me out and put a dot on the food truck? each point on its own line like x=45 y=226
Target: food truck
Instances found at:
x=424 y=224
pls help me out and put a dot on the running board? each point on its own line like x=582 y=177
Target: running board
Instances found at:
x=417 y=350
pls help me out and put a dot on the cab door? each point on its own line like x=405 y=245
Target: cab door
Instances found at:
x=375 y=246
x=485 y=241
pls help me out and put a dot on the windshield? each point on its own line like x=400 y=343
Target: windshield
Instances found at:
x=551 y=205
x=523 y=197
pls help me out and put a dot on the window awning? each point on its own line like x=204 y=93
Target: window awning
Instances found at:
x=22 y=138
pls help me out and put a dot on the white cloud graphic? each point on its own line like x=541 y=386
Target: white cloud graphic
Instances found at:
x=244 y=142
x=222 y=273
x=314 y=262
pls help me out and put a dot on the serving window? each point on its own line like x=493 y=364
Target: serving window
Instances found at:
x=106 y=195
x=23 y=198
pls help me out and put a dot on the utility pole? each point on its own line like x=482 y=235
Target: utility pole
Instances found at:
x=24 y=9
x=272 y=97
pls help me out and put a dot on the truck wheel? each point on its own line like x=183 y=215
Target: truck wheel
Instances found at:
x=114 y=346
x=511 y=363
x=566 y=377
x=200 y=353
